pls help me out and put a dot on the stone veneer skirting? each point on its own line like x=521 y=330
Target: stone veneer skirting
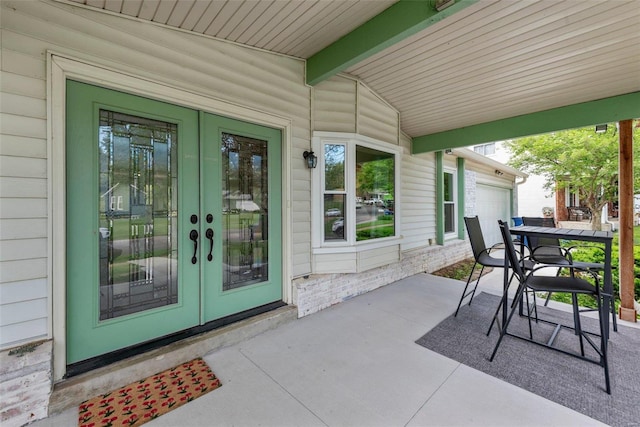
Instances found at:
x=316 y=292
x=25 y=383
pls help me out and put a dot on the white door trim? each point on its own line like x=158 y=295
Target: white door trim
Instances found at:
x=60 y=67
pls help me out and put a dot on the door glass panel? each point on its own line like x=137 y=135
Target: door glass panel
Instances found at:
x=137 y=214
x=245 y=211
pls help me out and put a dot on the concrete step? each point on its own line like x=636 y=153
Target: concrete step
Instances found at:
x=75 y=390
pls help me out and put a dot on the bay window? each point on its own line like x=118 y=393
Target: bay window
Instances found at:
x=355 y=193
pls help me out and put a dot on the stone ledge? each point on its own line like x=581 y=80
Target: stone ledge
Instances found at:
x=73 y=391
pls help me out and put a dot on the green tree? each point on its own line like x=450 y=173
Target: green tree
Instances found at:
x=580 y=158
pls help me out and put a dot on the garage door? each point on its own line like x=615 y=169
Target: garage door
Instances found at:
x=493 y=203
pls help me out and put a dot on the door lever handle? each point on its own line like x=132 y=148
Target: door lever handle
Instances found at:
x=209 y=234
x=194 y=237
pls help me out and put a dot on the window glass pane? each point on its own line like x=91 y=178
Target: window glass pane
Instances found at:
x=334 y=224
x=449 y=220
x=448 y=187
x=334 y=157
x=490 y=149
x=375 y=186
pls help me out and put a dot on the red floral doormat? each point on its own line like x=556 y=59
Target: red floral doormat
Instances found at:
x=144 y=400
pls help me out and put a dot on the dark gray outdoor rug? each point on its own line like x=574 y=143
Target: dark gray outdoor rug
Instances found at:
x=571 y=382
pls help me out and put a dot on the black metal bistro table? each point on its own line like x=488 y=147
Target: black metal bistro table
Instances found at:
x=593 y=236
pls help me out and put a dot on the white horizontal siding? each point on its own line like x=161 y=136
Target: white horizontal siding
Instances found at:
x=17 y=208
x=16 y=333
x=22 y=64
x=27 y=290
x=14 y=271
x=418 y=197
x=334 y=105
x=22 y=85
x=11 y=250
x=335 y=263
x=23 y=305
x=13 y=124
x=13 y=145
x=376 y=118
x=27 y=167
x=23 y=187
x=373 y=258
x=22 y=228
x=21 y=105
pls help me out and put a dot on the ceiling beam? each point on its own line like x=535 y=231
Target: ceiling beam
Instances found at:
x=396 y=23
x=605 y=110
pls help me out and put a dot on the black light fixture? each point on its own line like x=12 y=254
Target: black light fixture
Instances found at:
x=312 y=160
x=601 y=128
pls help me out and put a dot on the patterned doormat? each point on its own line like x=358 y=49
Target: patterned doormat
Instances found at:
x=144 y=400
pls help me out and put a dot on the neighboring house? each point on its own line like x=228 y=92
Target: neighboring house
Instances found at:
x=131 y=160
x=532 y=197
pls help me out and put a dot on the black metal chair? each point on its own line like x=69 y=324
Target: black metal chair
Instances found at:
x=481 y=255
x=543 y=283
x=550 y=251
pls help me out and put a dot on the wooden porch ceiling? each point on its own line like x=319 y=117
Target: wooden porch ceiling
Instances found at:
x=476 y=63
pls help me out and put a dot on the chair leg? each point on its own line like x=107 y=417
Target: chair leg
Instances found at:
x=603 y=349
x=503 y=331
x=546 y=301
x=502 y=304
x=614 y=315
x=464 y=292
x=576 y=321
x=473 y=293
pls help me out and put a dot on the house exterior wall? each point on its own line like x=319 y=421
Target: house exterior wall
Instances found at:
x=531 y=195
x=255 y=80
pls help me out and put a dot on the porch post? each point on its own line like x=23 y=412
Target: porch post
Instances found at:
x=625 y=194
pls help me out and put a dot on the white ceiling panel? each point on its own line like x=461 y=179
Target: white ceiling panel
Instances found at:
x=492 y=60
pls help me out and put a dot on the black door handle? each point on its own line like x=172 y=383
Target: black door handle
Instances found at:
x=209 y=234
x=194 y=236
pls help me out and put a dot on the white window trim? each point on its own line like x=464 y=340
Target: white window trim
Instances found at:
x=454 y=173
x=349 y=245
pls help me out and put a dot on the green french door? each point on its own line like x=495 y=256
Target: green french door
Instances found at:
x=173 y=219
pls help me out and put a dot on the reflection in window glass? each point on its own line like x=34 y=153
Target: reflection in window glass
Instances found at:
x=448 y=187
x=333 y=216
x=449 y=203
x=334 y=157
x=375 y=186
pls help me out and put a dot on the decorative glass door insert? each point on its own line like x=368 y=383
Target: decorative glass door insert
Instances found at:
x=245 y=197
x=137 y=214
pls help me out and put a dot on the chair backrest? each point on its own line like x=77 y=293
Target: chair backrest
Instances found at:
x=510 y=250
x=534 y=242
x=538 y=221
x=475 y=235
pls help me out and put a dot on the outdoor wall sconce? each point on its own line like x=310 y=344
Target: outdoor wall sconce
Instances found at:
x=601 y=128
x=312 y=160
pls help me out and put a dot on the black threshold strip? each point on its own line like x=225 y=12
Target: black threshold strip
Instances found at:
x=115 y=356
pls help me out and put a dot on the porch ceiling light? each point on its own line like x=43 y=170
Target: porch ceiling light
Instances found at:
x=601 y=128
x=312 y=160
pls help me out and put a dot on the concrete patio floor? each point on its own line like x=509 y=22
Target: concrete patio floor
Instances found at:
x=356 y=364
